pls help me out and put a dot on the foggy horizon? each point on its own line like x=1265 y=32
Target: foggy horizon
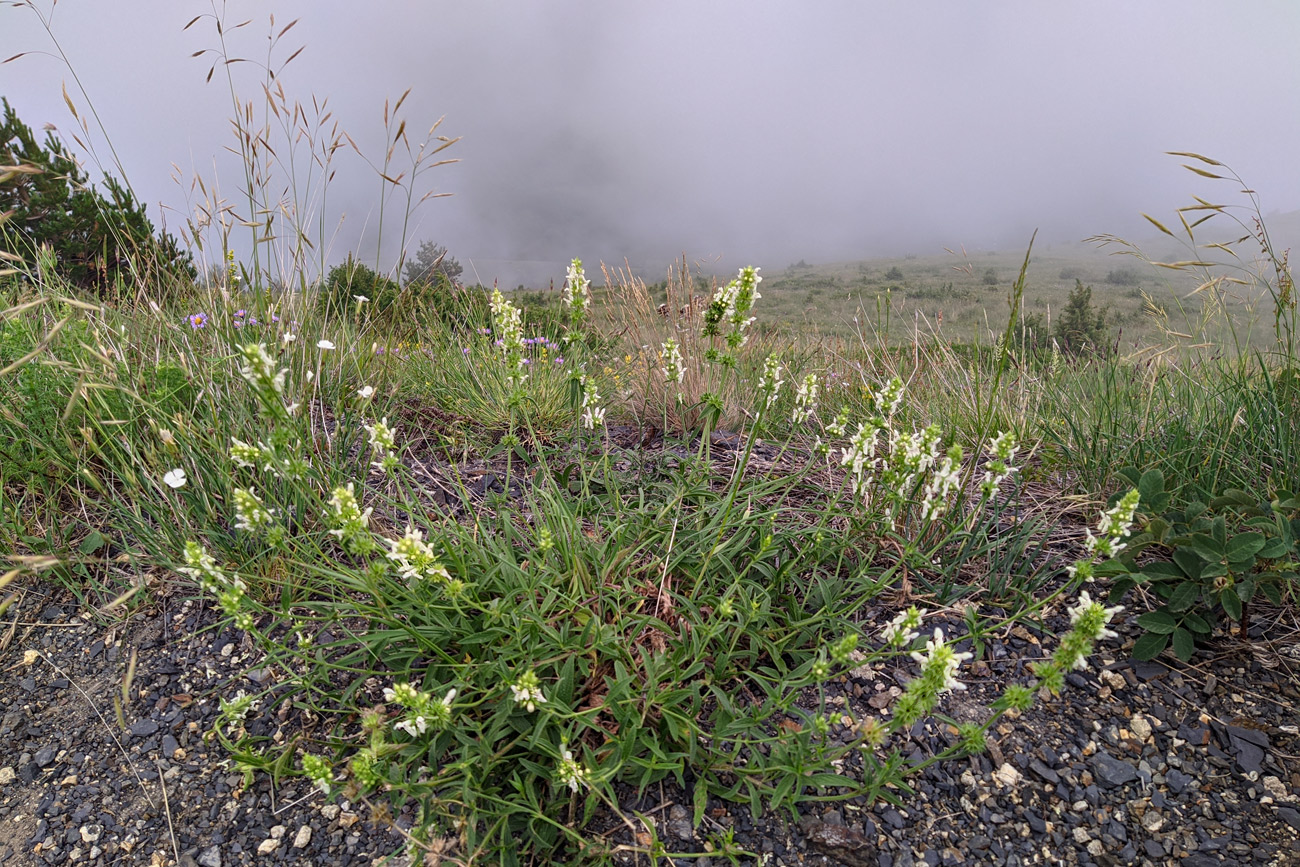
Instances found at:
x=732 y=132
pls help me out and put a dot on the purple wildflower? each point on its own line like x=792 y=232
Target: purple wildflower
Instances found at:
x=198 y=320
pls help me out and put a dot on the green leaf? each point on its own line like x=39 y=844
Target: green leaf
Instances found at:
x=1158 y=528
x=1151 y=484
x=1184 y=596
x=1245 y=588
x=1184 y=644
x=1158 y=622
x=1197 y=623
x=1273 y=549
x=1233 y=497
x=1149 y=646
x=1191 y=564
x=1231 y=604
x=1244 y=545
x=1203 y=546
x=701 y=800
x=1219 y=530
x=92 y=543
x=1166 y=571
x=1272 y=591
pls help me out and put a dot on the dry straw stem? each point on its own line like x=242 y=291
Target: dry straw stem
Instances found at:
x=647 y=323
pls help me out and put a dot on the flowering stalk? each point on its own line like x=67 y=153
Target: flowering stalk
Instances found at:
x=423 y=712
x=383 y=442
x=510 y=331
x=592 y=415
x=348 y=523
x=1002 y=449
x=577 y=297
x=731 y=304
x=805 y=400
x=770 y=383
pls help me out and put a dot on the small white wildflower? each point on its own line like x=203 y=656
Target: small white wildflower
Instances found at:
x=325 y=344
x=259 y=368
x=360 y=299
x=570 y=773
x=527 y=690
x=902 y=630
x=366 y=392
x=1091 y=618
x=674 y=371
x=805 y=400
x=175 y=478
x=939 y=664
x=770 y=383
x=250 y=513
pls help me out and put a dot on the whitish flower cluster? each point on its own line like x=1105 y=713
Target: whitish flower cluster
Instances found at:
x=251 y=514
x=674 y=370
x=805 y=400
x=942 y=483
x=577 y=294
x=860 y=456
x=423 y=712
x=570 y=772
x=527 y=690
x=731 y=304
x=229 y=590
x=939 y=664
x=839 y=426
x=414 y=559
x=904 y=628
x=347 y=522
x=259 y=369
x=1088 y=621
x=770 y=383
x=282 y=463
x=887 y=401
x=592 y=414
x=910 y=456
x=317 y=769
x=510 y=336
x=1114 y=527
x=1001 y=450
x=383 y=441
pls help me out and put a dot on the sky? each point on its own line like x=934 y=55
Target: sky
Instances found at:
x=734 y=131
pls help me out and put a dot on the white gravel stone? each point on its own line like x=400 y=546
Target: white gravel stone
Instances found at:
x=7 y=776
x=1007 y=775
x=1140 y=727
x=91 y=833
x=266 y=847
x=278 y=831
x=1081 y=835
x=303 y=837
x=1277 y=789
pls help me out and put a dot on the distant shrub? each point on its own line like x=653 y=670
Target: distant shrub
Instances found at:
x=100 y=240
x=1072 y=272
x=1123 y=277
x=990 y=277
x=350 y=281
x=894 y=273
x=1081 y=328
x=432 y=264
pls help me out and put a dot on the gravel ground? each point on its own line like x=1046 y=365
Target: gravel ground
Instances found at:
x=1134 y=764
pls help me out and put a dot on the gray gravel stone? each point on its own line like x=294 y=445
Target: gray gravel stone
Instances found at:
x=1110 y=771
